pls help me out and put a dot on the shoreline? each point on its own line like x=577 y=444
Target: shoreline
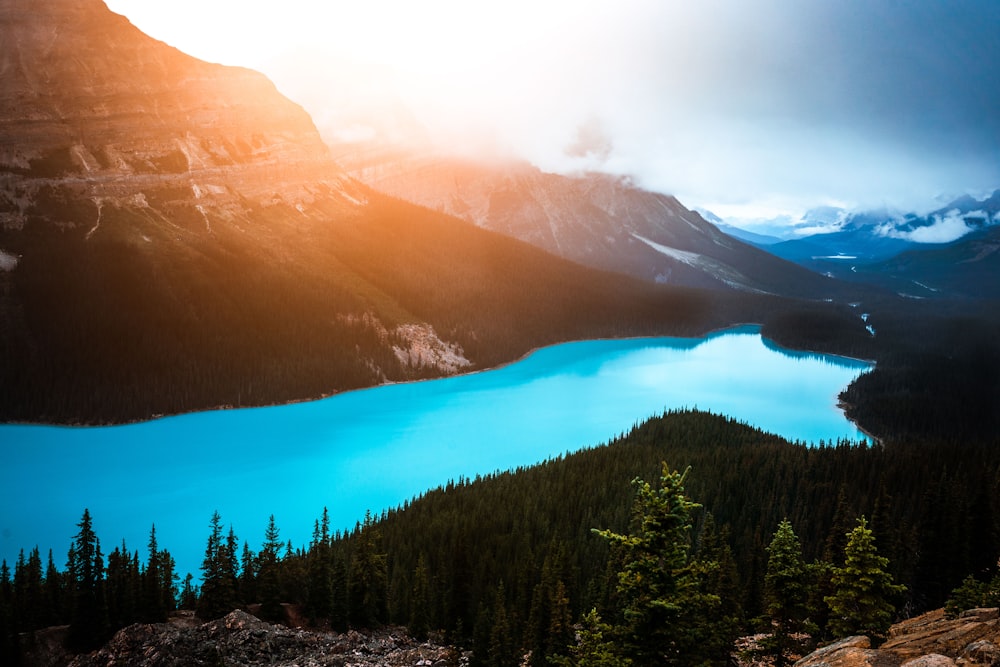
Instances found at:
x=731 y=328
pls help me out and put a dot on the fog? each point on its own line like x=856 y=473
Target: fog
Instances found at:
x=751 y=108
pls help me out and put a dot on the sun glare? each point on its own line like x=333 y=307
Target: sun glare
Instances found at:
x=463 y=69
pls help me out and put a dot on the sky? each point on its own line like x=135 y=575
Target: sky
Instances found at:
x=752 y=109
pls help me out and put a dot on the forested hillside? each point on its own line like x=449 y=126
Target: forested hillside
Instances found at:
x=518 y=549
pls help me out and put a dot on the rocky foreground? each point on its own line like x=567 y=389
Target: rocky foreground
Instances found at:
x=929 y=640
x=240 y=639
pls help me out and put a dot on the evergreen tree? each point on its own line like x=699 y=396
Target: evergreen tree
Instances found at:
x=419 y=621
x=786 y=593
x=269 y=579
x=550 y=611
x=594 y=649
x=248 y=575
x=666 y=613
x=55 y=607
x=230 y=564
x=154 y=607
x=189 y=594
x=88 y=624
x=862 y=601
x=9 y=648
x=28 y=591
x=503 y=652
x=218 y=593
x=722 y=580
x=320 y=591
x=368 y=580
x=339 y=607
x=123 y=589
x=168 y=581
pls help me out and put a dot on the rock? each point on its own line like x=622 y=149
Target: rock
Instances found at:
x=982 y=652
x=930 y=660
x=934 y=633
x=849 y=652
x=928 y=640
x=242 y=639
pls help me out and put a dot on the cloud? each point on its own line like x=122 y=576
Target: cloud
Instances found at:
x=592 y=142
x=942 y=228
x=868 y=103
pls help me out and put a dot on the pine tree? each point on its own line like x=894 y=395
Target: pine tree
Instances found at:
x=369 y=579
x=55 y=606
x=594 y=649
x=722 y=580
x=9 y=647
x=189 y=594
x=549 y=612
x=667 y=616
x=269 y=579
x=786 y=592
x=862 y=601
x=123 y=588
x=154 y=608
x=88 y=624
x=339 y=606
x=419 y=621
x=502 y=652
x=320 y=592
x=218 y=593
x=248 y=575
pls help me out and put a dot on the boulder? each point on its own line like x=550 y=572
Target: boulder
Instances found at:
x=928 y=640
x=849 y=652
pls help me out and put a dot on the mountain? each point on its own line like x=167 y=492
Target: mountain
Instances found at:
x=595 y=219
x=965 y=268
x=175 y=236
x=870 y=237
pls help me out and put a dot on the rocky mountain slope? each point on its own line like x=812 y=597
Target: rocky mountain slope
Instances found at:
x=175 y=236
x=595 y=219
x=95 y=109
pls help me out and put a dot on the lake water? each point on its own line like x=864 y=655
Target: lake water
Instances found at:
x=375 y=448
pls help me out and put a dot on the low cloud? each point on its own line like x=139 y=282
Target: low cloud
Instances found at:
x=592 y=142
x=943 y=228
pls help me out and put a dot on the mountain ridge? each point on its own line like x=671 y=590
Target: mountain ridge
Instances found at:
x=596 y=219
x=158 y=258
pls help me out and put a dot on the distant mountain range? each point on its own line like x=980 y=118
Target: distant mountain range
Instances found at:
x=948 y=252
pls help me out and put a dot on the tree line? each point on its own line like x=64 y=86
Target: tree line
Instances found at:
x=510 y=562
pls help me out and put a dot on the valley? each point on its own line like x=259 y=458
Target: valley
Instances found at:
x=187 y=268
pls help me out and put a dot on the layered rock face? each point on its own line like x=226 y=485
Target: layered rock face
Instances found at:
x=90 y=103
x=929 y=640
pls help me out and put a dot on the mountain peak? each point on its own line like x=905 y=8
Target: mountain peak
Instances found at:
x=89 y=100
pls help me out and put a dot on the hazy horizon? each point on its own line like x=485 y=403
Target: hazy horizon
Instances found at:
x=756 y=109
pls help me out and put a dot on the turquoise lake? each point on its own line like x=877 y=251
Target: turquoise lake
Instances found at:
x=376 y=448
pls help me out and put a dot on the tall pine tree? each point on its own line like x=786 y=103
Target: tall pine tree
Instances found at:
x=786 y=593
x=88 y=625
x=864 y=590
x=269 y=578
x=666 y=614
x=218 y=591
